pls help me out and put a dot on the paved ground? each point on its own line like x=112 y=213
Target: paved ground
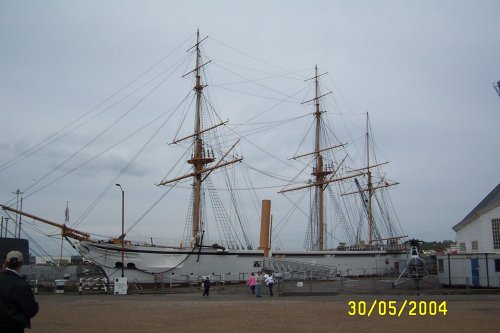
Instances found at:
x=233 y=310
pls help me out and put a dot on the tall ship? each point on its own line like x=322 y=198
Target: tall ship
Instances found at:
x=344 y=211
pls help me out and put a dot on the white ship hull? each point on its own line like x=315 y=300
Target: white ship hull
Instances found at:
x=150 y=264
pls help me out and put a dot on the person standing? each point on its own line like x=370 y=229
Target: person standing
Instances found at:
x=270 y=283
x=206 y=286
x=258 y=284
x=251 y=282
x=17 y=302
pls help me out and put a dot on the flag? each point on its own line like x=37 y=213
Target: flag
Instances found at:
x=66 y=214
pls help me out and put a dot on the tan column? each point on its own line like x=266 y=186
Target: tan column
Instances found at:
x=264 y=227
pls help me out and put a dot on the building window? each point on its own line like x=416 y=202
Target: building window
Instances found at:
x=495 y=224
x=474 y=245
x=462 y=247
x=497 y=265
x=441 y=265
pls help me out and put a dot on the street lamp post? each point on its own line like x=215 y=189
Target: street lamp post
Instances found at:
x=6 y=227
x=123 y=227
x=18 y=217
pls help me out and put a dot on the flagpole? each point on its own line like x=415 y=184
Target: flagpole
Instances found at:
x=66 y=220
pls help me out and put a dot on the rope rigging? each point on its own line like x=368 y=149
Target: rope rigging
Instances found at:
x=94 y=139
x=61 y=133
x=138 y=153
x=232 y=222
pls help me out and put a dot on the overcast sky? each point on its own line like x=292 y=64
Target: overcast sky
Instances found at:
x=424 y=70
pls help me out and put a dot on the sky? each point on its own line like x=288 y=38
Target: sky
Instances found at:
x=424 y=70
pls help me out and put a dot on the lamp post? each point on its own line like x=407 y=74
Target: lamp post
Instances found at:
x=6 y=226
x=123 y=226
x=18 y=193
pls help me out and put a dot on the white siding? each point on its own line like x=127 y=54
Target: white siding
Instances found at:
x=456 y=270
x=480 y=230
x=487 y=229
x=470 y=232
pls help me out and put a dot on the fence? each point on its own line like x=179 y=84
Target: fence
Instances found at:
x=93 y=285
x=173 y=280
x=352 y=285
x=469 y=282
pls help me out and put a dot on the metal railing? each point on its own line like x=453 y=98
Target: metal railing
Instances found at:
x=304 y=270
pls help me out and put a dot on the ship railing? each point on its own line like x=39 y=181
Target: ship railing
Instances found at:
x=391 y=247
x=289 y=268
x=193 y=280
x=369 y=271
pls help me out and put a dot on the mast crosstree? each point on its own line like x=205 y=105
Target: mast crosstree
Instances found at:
x=325 y=174
x=368 y=192
x=320 y=172
x=201 y=157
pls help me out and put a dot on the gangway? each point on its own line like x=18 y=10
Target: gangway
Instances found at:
x=305 y=269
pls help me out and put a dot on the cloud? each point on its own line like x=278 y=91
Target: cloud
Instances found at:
x=423 y=71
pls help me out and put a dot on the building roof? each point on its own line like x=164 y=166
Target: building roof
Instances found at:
x=491 y=201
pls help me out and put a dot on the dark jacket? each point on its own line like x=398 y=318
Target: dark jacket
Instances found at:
x=17 y=303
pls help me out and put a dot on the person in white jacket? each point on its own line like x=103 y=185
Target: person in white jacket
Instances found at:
x=270 y=283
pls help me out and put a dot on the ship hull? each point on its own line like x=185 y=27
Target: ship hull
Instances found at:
x=155 y=264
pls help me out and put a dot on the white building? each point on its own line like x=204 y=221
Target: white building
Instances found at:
x=479 y=231
x=478 y=236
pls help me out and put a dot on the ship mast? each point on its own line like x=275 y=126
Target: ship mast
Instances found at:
x=370 y=188
x=198 y=160
x=318 y=172
x=370 y=185
x=201 y=156
x=324 y=176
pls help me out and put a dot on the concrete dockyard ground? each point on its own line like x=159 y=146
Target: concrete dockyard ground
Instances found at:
x=232 y=309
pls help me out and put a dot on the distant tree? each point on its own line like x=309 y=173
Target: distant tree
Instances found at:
x=437 y=246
